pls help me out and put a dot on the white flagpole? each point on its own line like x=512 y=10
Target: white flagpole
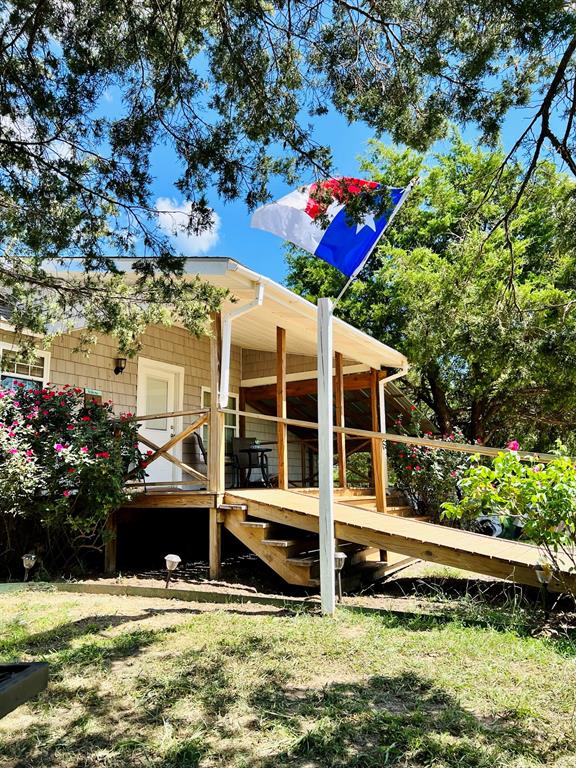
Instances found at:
x=325 y=459
x=409 y=187
x=325 y=432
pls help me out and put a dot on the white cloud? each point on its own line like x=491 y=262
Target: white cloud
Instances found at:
x=173 y=220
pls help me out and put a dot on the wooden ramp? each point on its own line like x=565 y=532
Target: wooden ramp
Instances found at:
x=513 y=561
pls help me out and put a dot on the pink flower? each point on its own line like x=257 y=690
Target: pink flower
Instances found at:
x=103 y=455
x=513 y=445
x=70 y=426
x=84 y=449
x=409 y=466
x=453 y=473
x=149 y=453
x=13 y=451
x=58 y=447
x=417 y=468
x=85 y=418
x=66 y=493
x=29 y=452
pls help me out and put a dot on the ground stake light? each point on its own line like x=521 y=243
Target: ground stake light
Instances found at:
x=172 y=562
x=544 y=575
x=339 y=558
x=28 y=561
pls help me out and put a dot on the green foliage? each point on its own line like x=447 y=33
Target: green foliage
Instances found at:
x=89 y=90
x=63 y=465
x=488 y=324
x=541 y=496
x=428 y=476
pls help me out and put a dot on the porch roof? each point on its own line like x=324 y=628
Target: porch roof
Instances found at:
x=281 y=307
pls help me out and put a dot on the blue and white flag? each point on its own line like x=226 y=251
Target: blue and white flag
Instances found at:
x=343 y=244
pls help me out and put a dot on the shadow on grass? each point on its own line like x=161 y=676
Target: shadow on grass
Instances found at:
x=251 y=712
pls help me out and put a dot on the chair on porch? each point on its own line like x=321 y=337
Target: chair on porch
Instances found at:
x=229 y=461
x=247 y=456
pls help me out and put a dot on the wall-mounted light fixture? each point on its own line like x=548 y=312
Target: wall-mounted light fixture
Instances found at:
x=120 y=365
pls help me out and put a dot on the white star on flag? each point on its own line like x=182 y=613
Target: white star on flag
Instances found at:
x=368 y=221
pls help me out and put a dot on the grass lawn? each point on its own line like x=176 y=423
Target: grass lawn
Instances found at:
x=150 y=682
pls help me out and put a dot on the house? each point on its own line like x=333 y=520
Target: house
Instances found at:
x=254 y=379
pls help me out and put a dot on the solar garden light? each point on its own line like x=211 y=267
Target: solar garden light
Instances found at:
x=339 y=558
x=171 y=565
x=28 y=561
x=544 y=575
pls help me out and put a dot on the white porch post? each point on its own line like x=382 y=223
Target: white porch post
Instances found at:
x=325 y=458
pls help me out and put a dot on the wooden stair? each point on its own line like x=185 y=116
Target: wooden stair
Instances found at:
x=293 y=554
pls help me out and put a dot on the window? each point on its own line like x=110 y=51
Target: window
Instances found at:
x=13 y=370
x=230 y=420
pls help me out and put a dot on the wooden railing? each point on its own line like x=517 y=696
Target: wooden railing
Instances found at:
x=207 y=416
x=162 y=451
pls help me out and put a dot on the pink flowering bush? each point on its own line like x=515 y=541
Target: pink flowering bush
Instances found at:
x=63 y=465
x=428 y=477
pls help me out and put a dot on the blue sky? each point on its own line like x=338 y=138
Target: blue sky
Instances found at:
x=260 y=250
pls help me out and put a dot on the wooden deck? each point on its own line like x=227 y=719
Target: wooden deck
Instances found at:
x=509 y=560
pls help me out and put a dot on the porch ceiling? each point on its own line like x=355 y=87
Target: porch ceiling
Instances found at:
x=281 y=307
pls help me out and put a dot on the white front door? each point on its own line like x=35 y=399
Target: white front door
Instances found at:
x=160 y=390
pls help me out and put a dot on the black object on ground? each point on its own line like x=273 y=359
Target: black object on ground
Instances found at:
x=20 y=682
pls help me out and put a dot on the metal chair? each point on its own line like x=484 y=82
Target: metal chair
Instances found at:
x=247 y=456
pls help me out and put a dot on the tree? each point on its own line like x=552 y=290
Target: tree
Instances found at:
x=230 y=86
x=87 y=90
x=488 y=325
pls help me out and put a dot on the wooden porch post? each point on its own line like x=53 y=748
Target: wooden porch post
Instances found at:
x=340 y=419
x=281 y=429
x=382 y=412
x=216 y=477
x=377 y=444
x=242 y=406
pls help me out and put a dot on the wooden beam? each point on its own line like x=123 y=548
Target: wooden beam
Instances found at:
x=340 y=418
x=242 y=406
x=281 y=429
x=377 y=445
x=429 y=442
x=177 y=438
x=215 y=551
x=168 y=456
x=351 y=381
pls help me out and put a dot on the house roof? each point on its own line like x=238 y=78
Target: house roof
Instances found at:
x=281 y=307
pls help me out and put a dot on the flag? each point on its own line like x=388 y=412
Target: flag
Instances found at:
x=344 y=244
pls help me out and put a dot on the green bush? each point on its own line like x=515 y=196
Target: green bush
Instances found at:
x=541 y=496
x=63 y=466
x=428 y=476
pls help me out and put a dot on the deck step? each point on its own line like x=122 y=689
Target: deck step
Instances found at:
x=257 y=524
x=287 y=543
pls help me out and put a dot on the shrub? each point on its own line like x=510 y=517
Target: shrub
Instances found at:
x=542 y=497
x=63 y=465
x=428 y=476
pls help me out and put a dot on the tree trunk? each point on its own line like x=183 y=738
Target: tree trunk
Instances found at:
x=440 y=405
